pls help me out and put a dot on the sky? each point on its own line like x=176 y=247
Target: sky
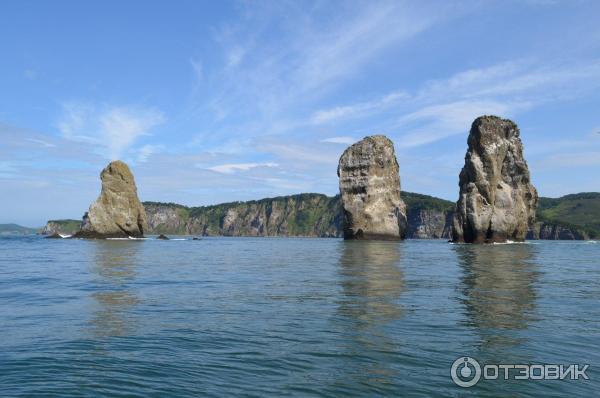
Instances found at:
x=217 y=101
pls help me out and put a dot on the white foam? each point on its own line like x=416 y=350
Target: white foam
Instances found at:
x=65 y=236
x=510 y=242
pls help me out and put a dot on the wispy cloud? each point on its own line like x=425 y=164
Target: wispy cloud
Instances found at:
x=445 y=107
x=361 y=109
x=234 y=167
x=340 y=140
x=114 y=128
x=436 y=122
x=148 y=150
x=42 y=143
x=268 y=74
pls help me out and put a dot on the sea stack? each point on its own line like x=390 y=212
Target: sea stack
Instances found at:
x=370 y=191
x=497 y=201
x=117 y=213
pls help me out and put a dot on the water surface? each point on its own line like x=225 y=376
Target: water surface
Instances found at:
x=263 y=317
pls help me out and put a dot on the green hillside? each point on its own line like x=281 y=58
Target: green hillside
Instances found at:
x=581 y=210
x=417 y=201
x=14 y=229
x=62 y=226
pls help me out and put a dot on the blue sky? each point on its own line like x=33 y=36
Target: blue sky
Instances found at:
x=219 y=101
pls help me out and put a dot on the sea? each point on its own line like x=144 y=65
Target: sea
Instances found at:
x=297 y=317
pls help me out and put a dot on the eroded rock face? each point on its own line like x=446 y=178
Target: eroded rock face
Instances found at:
x=497 y=201
x=370 y=191
x=117 y=212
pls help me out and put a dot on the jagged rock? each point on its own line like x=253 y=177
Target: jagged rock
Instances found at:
x=162 y=237
x=370 y=191
x=117 y=212
x=497 y=201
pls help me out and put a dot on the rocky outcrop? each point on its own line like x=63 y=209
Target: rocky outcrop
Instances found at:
x=64 y=227
x=429 y=224
x=370 y=191
x=547 y=231
x=497 y=201
x=117 y=212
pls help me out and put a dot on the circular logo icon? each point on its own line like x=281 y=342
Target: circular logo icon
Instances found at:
x=465 y=372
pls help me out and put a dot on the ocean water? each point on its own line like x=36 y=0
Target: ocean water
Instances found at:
x=259 y=317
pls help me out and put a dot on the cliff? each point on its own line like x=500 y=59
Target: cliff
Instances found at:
x=578 y=213
x=313 y=215
x=317 y=215
x=549 y=231
x=296 y=215
x=65 y=227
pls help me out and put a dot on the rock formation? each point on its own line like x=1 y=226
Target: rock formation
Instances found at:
x=313 y=215
x=497 y=201
x=64 y=227
x=429 y=224
x=370 y=191
x=117 y=212
x=549 y=231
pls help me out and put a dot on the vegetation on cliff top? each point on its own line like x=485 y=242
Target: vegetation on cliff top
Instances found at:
x=417 y=201
x=579 y=211
x=310 y=212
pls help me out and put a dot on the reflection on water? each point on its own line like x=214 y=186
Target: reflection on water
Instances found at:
x=115 y=267
x=372 y=283
x=371 y=280
x=498 y=285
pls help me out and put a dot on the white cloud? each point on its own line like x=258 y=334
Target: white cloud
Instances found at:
x=233 y=167
x=340 y=140
x=148 y=150
x=524 y=77
x=41 y=142
x=123 y=126
x=114 y=128
x=362 y=109
x=440 y=121
x=267 y=76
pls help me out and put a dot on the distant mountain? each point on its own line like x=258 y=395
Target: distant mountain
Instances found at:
x=14 y=229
